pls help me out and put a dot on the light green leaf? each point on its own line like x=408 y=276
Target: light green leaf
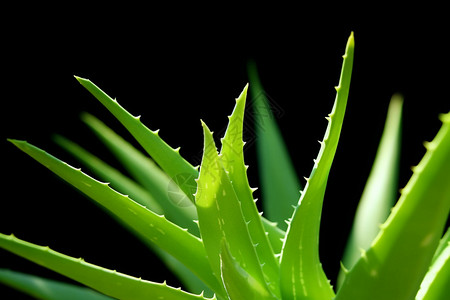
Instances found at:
x=150 y=227
x=233 y=162
x=176 y=205
x=105 y=172
x=106 y=281
x=126 y=186
x=302 y=276
x=398 y=259
x=381 y=189
x=166 y=157
x=42 y=288
x=280 y=186
x=220 y=215
x=436 y=284
x=442 y=245
x=169 y=159
x=275 y=235
x=238 y=283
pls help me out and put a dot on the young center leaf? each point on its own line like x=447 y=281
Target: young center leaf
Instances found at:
x=233 y=161
x=220 y=216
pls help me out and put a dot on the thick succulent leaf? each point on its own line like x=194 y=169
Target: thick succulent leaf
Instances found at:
x=126 y=186
x=280 y=185
x=380 y=192
x=398 y=259
x=108 y=282
x=436 y=284
x=42 y=288
x=442 y=245
x=179 y=243
x=302 y=276
x=166 y=157
x=169 y=159
x=233 y=162
x=220 y=215
x=275 y=235
x=238 y=283
x=176 y=205
x=106 y=173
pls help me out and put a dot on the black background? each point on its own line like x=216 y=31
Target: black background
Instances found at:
x=177 y=65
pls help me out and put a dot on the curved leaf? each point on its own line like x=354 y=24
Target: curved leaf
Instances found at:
x=380 y=192
x=280 y=187
x=106 y=281
x=175 y=203
x=42 y=288
x=436 y=284
x=105 y=172
x=233 y=162
x=125 y=185
x=166 y=157
x=302 y=275
x=398 y=259
x=150 y=227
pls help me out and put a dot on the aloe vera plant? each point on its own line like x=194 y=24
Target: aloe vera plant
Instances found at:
x=204 y=224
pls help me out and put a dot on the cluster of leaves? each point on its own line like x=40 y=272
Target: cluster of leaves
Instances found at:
x=204 y=224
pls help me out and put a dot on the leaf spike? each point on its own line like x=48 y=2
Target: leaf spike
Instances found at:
x=343 y=268
x=363 y=253
x=445 y=118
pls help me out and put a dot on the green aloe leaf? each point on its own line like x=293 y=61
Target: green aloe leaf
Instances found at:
x=380 y=192
x=42 y=288
x=442 y=245
x=436 y=284
x=302 y=276
x=105 y=172
x=220 y=215
x=169 y=159
x=275 y=235
x=166 y=157
x=106 y=281
x=126 y=186
x=185 y=247
x=238 y=283
x=280 y=185
x=176 y=205
x=398 y=259
x=233 y=161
